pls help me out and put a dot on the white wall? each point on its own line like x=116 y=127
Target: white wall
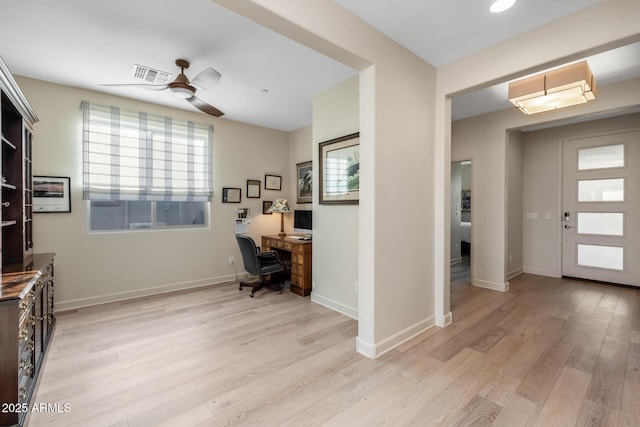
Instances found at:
x=335 y=227
x=541 y=191
x=95 y=268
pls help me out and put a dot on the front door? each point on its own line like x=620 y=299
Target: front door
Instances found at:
x=601 y=208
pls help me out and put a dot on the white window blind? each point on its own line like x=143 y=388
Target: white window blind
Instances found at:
x=130 y=155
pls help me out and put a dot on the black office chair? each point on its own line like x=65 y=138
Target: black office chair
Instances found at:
x=262 y=264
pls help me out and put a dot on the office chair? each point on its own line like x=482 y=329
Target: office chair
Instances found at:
x=261 y=264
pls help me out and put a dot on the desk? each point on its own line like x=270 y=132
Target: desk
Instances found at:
x=299 y=252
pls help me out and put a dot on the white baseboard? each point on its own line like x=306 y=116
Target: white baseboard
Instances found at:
x=444 y=321
x=455 y=261
x=137 y=293
x=375 y=350
x=513 y=273
x=541 y=272
x=335 y=305
x=494 y=286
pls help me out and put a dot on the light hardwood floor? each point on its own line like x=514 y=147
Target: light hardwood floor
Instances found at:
x=548 y=352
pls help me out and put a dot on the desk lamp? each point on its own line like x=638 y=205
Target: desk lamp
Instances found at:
x=280 y=206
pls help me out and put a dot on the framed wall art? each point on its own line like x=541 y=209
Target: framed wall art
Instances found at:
x=266 y=204
x=231 y=195
x=51 y=194
x=304 y=173
x=340 y=170
x=253 y=189
x=272 y=182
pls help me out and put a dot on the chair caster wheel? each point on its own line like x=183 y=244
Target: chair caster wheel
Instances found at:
x=239 y=288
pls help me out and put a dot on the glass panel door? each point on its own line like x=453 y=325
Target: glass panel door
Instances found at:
x=600 y=238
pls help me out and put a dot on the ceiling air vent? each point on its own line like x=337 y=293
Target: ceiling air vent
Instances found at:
x=150 y=75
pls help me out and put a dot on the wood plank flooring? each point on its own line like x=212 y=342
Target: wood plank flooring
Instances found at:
x=549 y=352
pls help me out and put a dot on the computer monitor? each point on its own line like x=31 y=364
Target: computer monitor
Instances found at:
x=302 y=221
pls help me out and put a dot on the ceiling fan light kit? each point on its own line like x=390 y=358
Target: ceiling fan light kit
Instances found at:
x=570 y=85
x=183 y=88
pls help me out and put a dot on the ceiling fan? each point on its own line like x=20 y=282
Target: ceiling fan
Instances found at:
x=184 y=88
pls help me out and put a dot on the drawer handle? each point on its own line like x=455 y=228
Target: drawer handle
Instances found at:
x=23 y=392
x=23 y=335
x=27 y=367
x=23 y=305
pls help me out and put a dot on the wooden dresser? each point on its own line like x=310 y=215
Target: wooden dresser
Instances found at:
x=299 y=253
x=27 y=319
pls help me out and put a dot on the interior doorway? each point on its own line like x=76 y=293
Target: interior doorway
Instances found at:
x=461 y=209
x=600 y=207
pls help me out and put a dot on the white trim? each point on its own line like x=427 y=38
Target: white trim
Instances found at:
x=513 y=273
x=375 y=350
x=540 y=272
x=335 y=305
x=494 y=286
x=127 y=295
x=444 y=321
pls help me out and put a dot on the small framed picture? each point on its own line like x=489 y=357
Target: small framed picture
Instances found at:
x=266 y=204
x=272 y=182
x=305 y=182
x=51 y=194
x=253 y=189
x=231 y=195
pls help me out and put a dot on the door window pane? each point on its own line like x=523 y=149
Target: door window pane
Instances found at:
x=610 y=156
x=601 y=223
x=609 y=257
x=601 y=190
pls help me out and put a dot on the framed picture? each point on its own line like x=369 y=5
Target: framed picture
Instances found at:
x=253 y=189
x=466 y=200
x=340 y=170
x=51 y=194
x=231 y=195
x=266 y=204
x=272 y=182
x=305 y=181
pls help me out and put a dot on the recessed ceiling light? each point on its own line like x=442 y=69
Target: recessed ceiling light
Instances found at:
x=501 y=5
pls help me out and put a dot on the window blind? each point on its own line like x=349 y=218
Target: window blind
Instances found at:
x=130 y=155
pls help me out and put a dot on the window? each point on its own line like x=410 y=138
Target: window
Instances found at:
x=144 y=171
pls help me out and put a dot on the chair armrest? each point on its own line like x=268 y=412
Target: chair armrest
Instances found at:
x=267 y=256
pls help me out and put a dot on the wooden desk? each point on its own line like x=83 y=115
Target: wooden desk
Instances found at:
x=299 y=252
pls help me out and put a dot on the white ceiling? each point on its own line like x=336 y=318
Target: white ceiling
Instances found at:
x=86 y=43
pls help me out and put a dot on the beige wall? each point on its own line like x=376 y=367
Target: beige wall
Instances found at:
x=541 y=189
x=95 y=268
x=335 y=228
x=514 y=204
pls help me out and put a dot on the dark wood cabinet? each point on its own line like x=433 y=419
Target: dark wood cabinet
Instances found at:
x=27 y=320
x=27 y=290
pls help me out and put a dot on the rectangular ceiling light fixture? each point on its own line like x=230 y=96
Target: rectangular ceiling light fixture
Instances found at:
x=559 y=88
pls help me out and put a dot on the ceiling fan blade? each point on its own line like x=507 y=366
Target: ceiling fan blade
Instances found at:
x=204 y=107
x=141 y=85
x=206 y=78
